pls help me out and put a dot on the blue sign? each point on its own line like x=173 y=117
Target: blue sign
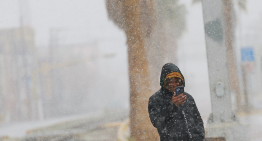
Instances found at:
x=247 y=54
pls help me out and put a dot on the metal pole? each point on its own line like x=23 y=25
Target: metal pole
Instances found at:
x=244 y=75
x=24 y=61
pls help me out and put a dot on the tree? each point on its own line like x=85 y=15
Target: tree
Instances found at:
x=171 y=24
x=228 y=11
x=161 y=24
x=127 y=14
x=169 y=27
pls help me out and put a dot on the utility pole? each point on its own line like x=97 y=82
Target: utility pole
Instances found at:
x=51 y=95
x=222 y=122
x=23 y=23
x=53 y=44
x=245 y=87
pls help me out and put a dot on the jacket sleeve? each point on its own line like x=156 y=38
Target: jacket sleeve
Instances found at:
x=156 y=115
x=198 y=120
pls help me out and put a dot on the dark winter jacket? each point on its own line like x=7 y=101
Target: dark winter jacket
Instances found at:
x=171 y=123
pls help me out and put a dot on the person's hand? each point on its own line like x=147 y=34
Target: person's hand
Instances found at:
x=180 y=99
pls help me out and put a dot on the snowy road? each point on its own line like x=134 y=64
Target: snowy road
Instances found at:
x=78 y=129
x=75 y=128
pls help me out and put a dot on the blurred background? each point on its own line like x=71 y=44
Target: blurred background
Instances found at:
x=60 y=58
x=64 y=58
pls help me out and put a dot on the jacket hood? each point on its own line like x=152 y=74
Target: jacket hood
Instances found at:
x=169 y=68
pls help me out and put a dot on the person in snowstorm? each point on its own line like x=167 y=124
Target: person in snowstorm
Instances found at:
x=175 y=117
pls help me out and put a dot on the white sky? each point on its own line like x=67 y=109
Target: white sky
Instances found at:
x=80 y=20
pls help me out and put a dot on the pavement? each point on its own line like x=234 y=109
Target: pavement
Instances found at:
x=20 y=129
x=95 y=127
x=108 y=133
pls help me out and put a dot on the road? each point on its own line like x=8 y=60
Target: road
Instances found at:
x=102 y=128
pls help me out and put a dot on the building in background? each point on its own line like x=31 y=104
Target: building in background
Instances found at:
x=17 y=61
x=65 y=84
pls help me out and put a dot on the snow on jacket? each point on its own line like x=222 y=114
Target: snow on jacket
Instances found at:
x=169 y=120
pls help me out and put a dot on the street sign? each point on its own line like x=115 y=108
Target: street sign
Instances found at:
x=247 y=54
x=249 y=66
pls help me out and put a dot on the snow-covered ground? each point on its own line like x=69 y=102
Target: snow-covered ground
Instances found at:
x=18 y=130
